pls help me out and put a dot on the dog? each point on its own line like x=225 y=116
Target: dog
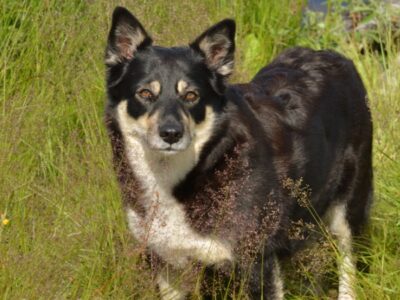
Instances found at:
x=214 y=175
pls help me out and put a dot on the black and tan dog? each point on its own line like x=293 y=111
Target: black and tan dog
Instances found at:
x=209 y=171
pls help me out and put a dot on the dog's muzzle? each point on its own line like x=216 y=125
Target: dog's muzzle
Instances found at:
x=169 y=136
x=171 y=132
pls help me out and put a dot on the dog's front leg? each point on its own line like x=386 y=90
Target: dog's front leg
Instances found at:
x=265 y=280
x=170 y=285
x=169 y=280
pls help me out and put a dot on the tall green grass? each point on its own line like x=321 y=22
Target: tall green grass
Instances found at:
x=66 y=236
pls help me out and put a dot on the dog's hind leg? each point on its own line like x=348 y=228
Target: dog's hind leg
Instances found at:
x=348 y=215
x=265 y=279
x=277 y=279
x=358 y=209
x=340 y=229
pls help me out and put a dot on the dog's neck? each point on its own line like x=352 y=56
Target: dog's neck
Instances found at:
x=157 y=169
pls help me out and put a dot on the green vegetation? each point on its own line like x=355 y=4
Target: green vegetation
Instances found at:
x=66 y=235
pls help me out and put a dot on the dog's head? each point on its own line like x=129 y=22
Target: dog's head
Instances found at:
x=167 y=98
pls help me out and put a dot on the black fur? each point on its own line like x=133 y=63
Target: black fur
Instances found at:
x=303 y=118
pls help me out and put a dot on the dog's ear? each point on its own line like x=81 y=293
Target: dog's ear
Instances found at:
x=217 y=45
x=126 y=37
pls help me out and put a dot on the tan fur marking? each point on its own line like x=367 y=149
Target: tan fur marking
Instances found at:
x=143 y=121
x=203 y=130
x=155 y=87
x=182 y=86
x=136 y=127
x=151 y=123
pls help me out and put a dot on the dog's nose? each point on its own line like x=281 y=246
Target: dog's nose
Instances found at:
x=171 y=133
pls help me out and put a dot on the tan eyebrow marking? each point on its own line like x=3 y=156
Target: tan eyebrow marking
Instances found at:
x=181 y=86
x=155 y=87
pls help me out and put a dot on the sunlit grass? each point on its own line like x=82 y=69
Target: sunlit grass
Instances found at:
x=66 y=235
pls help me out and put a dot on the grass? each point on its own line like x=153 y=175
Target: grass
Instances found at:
x=66 y=236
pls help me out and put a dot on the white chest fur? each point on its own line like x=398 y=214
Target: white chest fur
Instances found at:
x=164 y=229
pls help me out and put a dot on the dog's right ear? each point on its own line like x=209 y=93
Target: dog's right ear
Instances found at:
x=126 y=37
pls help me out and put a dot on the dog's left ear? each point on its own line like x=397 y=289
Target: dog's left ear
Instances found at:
x=126 y=37
x=217 y=45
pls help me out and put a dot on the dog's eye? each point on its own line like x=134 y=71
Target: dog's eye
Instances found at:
x=191 y=97
x=146 y=94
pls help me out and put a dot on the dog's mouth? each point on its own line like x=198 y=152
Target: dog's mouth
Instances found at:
x=169 y=149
